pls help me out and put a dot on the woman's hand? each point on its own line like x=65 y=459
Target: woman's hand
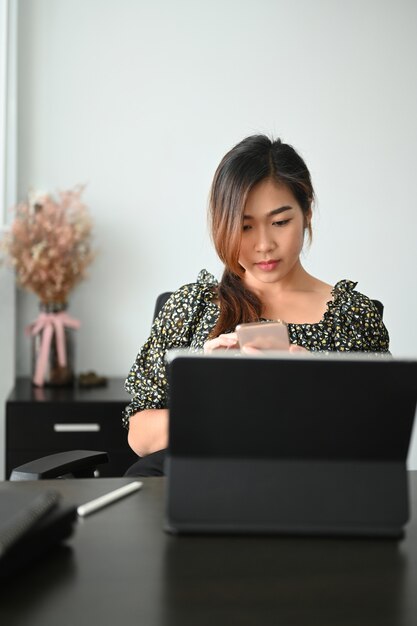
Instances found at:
x=252 y=350
x=294 y=348
x=222 y=342
x=229 y=340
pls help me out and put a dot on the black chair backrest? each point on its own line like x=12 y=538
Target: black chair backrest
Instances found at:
x=379 y=306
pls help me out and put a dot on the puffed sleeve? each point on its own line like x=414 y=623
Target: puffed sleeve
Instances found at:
x=172 y=328
x=358 y=325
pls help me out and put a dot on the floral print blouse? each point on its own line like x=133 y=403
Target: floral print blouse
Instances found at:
x=350 y=323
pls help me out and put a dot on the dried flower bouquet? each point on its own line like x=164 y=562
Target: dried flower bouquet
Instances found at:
x=49 y=244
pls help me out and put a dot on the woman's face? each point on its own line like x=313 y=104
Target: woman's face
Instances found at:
x=273 y=234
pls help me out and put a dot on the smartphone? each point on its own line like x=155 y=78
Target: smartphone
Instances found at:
x=263 y=335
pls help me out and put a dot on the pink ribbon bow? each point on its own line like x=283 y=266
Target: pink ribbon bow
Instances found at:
x=48 y=323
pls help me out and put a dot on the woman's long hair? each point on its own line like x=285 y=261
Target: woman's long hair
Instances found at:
x=254 y=159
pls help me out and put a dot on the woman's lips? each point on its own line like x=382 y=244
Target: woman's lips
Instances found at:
x=267 y=266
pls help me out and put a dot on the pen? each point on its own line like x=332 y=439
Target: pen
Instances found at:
x=108 y=498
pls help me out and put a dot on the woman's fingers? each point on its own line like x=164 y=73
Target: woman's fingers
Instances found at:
x=229 y=340
x=222 y=342
x=251 y=350
x=295 y=348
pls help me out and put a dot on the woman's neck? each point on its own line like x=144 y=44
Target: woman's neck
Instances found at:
x=297 y=280
x=299 y=298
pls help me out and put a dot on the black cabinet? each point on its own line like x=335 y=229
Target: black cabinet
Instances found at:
x=42 y=421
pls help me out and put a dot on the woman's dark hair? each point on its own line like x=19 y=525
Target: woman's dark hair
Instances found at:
x=254 y=159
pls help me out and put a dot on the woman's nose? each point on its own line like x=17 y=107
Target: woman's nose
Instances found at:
x=264 y=242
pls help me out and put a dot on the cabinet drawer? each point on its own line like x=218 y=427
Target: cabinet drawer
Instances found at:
x=49 y=426
x=42 y=421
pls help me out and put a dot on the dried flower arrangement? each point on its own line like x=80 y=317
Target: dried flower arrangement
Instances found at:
x=49 y=243
x=49 y=246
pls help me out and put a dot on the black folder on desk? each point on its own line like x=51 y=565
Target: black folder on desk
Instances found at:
x=31 y=522
x=286 y=443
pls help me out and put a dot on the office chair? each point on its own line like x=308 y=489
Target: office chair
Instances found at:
x=379 y=307
x=83 y=463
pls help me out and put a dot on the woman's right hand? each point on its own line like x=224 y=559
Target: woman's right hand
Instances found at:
x=222 y=342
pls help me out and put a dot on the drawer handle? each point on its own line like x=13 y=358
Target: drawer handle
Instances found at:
x=76 y=428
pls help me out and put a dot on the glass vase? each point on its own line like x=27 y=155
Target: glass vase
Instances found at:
x=56 y=374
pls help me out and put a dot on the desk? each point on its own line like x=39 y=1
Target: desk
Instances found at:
x=45 y=420
x=121 y=568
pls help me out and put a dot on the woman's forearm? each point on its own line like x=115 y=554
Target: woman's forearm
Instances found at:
x=148 y=431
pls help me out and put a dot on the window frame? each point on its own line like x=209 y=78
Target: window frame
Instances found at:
x=8 y=123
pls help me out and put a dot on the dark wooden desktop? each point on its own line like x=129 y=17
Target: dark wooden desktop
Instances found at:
x=120 y=567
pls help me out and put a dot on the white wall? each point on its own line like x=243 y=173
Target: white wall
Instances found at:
x=142 y=99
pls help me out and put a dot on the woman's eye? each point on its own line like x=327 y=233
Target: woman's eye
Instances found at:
x=281 y=223
x=246 y=227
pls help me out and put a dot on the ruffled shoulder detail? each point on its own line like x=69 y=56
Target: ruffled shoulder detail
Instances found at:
x=342 y=294
x=343 y=286
x=190 y=300
x=205 y=278
x=349 y=302
x=206 y=286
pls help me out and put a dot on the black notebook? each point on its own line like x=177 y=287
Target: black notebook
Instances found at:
x=30 y=524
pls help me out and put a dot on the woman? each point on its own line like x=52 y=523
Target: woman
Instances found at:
x=260 y=211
